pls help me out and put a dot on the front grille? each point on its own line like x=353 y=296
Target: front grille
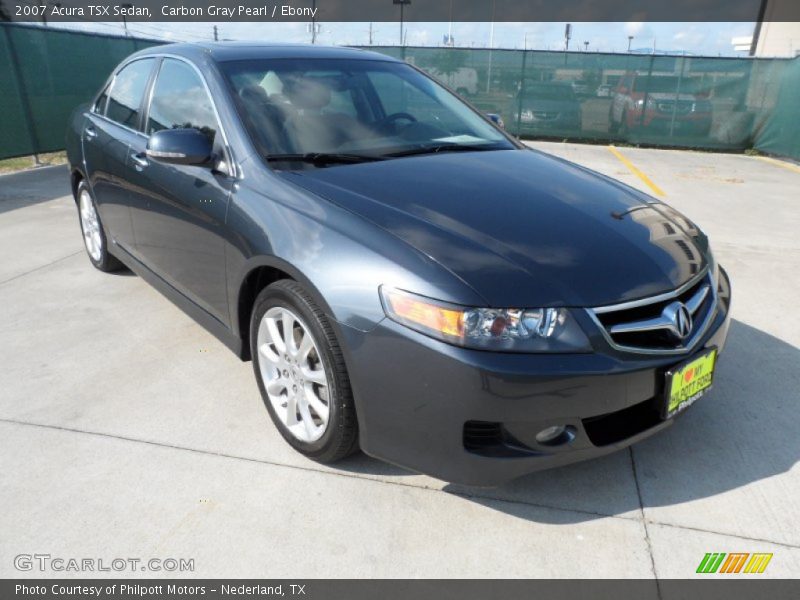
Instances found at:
x=528 y=116
x=615 y=427
x=651 y=325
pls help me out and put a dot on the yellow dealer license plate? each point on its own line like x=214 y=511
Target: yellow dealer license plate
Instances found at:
x=686 y=383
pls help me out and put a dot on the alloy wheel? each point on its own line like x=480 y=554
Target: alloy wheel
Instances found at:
x=91 y=227
x=293 y=374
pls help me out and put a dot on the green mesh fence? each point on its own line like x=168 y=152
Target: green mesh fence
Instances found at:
x=44 y=75
x=677 y=101
x=695 y=102
x=781 y=132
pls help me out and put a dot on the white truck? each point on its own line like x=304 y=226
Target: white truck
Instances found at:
x=464 y=81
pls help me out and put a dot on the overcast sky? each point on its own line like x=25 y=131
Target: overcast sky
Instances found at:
x=698 y=38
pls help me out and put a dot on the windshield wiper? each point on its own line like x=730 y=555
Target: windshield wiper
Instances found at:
x=322 y=158
x=433 y=149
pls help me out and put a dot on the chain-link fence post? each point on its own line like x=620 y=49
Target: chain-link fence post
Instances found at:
x=677 y=98
x=521 y=93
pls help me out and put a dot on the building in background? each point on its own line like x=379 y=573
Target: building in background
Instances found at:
x=773 y=37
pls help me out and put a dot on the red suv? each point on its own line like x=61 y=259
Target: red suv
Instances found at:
x=659 y=103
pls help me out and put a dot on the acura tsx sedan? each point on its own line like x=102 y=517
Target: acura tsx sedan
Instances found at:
x=406 y=278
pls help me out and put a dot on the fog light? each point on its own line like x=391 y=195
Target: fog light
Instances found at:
x=556 y=435
x=549 y=434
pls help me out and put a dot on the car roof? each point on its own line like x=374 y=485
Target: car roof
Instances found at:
x=225 y=51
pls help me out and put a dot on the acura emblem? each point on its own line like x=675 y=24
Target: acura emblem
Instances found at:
x=680 y=319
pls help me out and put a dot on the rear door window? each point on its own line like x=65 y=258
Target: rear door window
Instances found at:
x=125 y=100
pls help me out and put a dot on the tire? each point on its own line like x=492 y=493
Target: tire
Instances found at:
x=290 y=380
x=94 y=235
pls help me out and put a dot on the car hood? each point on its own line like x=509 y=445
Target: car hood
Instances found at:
x=521 y=228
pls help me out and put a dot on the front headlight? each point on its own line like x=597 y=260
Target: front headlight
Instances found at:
x=506 y=329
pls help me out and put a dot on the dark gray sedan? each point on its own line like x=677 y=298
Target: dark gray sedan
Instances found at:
x=406 y=277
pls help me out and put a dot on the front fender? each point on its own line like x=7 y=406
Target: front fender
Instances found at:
x=341 y=258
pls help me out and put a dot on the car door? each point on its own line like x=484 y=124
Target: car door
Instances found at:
x=109 y=129
x=179 y=210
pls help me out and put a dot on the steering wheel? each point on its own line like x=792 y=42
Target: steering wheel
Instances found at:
x=389 y=120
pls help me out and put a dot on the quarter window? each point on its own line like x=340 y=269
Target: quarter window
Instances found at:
x=102 y=100
x=125 y=99
x=180 y=101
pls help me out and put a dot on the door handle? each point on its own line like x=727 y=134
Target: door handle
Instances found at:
x=90 y=132
x=139 y=161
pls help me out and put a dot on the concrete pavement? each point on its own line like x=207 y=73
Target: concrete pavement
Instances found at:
x=127 y=430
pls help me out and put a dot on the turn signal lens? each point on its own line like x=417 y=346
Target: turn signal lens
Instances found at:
x=419 y=313
x=509 y=329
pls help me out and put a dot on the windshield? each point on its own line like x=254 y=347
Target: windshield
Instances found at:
x=354 y=107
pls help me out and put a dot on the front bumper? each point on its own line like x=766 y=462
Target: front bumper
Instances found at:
x=471 y=417
x=560 y=125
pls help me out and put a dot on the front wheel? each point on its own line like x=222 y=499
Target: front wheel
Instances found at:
x=301 y=373
x=94 y=236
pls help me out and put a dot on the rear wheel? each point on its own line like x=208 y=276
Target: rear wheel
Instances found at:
x=94 y=236
x=301 y=373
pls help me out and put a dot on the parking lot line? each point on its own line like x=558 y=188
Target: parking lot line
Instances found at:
x=633 y=169
x=780 y=163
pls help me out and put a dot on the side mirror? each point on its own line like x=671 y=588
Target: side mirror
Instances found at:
x=497 y=120
x=179 y=147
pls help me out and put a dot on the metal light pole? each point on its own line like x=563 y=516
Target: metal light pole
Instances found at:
x=585 y=46
x=313 y=22
x=491 y=45
x=314 y=29
x=44 y=13
x=450 y=26
x=630 y=39
x=402 y=4
x=125 y=5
